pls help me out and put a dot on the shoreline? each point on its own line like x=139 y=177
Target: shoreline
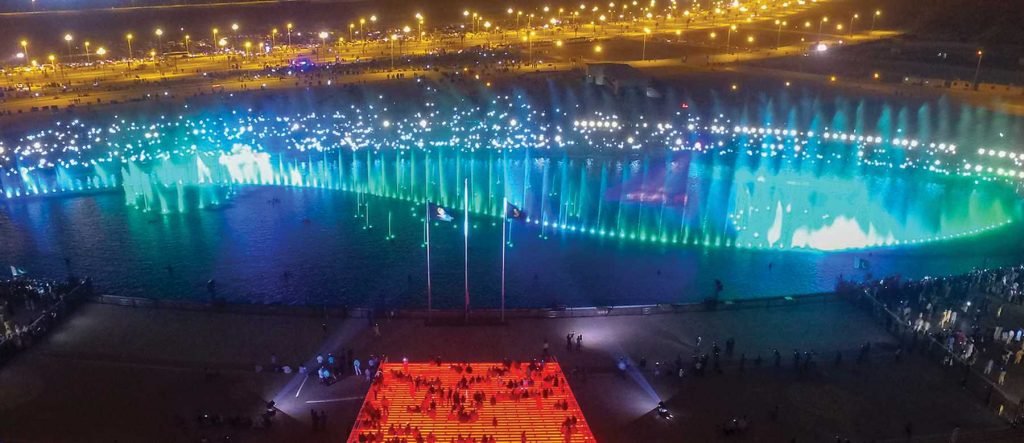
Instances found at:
x=447 y=316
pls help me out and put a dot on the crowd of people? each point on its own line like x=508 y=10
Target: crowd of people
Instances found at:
x=460 y=397
x=28 y=307
x=968 y=315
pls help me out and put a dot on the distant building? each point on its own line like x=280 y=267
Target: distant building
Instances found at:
x=923 y=81
x=1000 y=89
x=619 y=76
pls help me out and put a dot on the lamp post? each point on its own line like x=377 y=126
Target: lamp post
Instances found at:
x=129 y=37
x=878 y=12
x=820 y=23
x=86 y=43
x=393 y=38
x=222 y=43
x=273 y=39
x=323 y=45
x=24 y=50
x=406 y=30
x=351 y=26
x=778 y=35
x=68 y=38
x=728 y=37
x=977 y=69
x=234 y=37
x=215 y=42
x=188 y=51
x=160 y=40
x=529 y=41
x=643 y=53
x=852 y=18
x=419 y=26
x=289 y=26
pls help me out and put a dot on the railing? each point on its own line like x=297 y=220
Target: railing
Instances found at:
x=554 y=312
x=47 y=318
x=969 y=378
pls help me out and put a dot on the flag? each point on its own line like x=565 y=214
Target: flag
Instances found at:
x=438 y=212
x=513 y=212
x=17 y=271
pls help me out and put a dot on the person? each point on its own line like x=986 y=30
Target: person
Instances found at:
x=355 y=364
x=579 y=342
x=988 y=366
x=376 y=329
x=1002 y=375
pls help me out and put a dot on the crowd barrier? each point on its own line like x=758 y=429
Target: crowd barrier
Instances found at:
x=969 y=378
x=552 y=312
x=39 y=326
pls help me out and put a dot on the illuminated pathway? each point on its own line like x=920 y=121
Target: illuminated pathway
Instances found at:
x=504 y=414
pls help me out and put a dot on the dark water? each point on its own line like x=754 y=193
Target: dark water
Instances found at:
x=331 y=257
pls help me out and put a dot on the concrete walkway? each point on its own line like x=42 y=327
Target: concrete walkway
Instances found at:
x=129 y=374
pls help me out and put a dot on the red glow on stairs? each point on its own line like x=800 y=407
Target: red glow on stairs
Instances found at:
x=539 y=404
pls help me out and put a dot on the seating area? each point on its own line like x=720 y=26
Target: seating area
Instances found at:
x=470 y=403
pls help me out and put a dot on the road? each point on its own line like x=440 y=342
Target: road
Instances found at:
x=564 y=46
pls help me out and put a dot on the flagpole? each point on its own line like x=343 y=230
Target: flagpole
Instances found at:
x=429 y=301
x=465 y=233
x=504 y=242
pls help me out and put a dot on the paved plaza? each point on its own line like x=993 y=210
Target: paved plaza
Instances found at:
x=114 y=373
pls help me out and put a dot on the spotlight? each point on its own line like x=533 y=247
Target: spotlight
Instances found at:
x=663 y=411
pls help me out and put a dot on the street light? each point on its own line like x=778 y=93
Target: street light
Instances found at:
x=289 y=26
x=129 y=37
x=160 y=39
x=643 y=53
x=419 y=26
x=820 y=23
x=188 y=52
x=728 y=37
x=214 y=42
x=323 y=44
x=878 y=12
x=273 y=38
x=977 y=69
x=234 y=30
x=101 y=51
x=393 y=38
x=68 y=38
x=852 y=18
x=222 y=43
x=24 y=49
x=778 y=35
x=86 y=43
